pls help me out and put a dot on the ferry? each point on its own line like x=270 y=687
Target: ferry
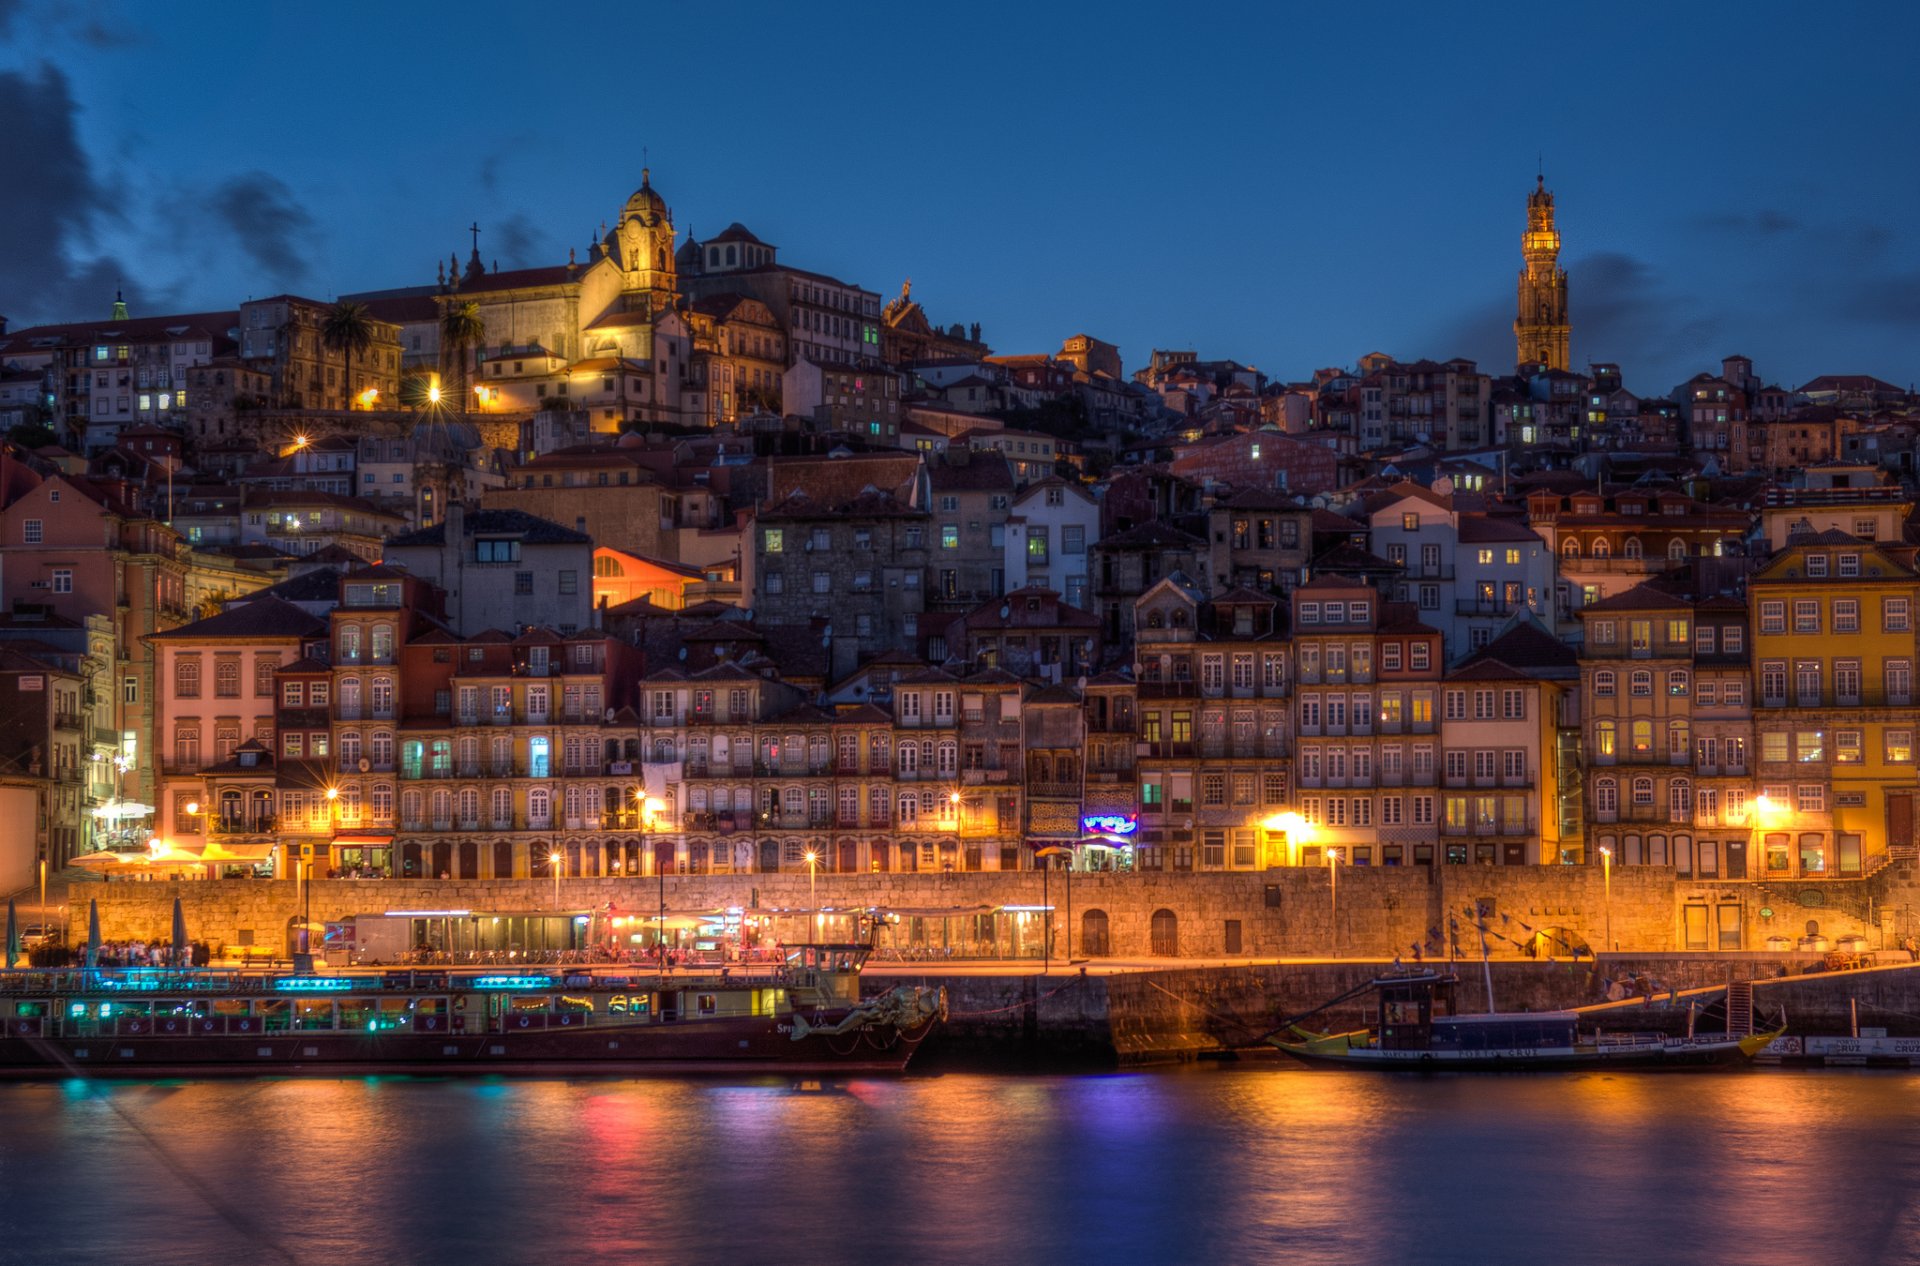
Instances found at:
x=806 y=1017
x=1415 y=1030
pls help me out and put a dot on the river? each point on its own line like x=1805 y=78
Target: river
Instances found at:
x=1265 y=1165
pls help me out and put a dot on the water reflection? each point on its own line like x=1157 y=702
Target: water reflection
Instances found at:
x=1211 y=1165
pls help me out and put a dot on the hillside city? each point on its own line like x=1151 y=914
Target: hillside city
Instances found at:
x=679 y=558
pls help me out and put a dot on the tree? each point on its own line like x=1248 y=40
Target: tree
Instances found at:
x=348 y=329
x=461 y=330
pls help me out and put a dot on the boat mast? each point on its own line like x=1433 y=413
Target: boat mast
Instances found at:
x=1486 y=963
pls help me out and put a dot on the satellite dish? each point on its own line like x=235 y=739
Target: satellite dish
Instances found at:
x=608 y=716
x=365 y=765
x=683 y=652
x=1005 y=610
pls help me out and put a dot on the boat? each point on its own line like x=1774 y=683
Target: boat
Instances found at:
x=806 y=1017
x=1415 y=1030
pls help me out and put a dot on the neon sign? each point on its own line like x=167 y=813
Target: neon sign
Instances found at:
x=1111 y=823
x=513 y=982
x=313 y=984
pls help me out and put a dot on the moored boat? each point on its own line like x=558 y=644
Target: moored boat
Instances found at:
x=1415 y=1030
x=805 y=1017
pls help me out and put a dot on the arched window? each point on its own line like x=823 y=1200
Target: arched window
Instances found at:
x=1603 y=682
x=349 y=643
x=411 y=804
x=1677 y=682
x=1679 y=740
x=539 y=808
x=1643 y=791
x=1601 y=549
x=1605 y=740
x=1570 y=548
x=502 y=809
x=606 y=565
x=382 y=801
x=1680 y=800
x=350 y=698
x=1093 y=934
x=1632 y=547
x=909 y=806
x=469 y=808
x=1606 y=796
x=186 y=678
x=1676 y=550
x=1642 y=738
x=1642 y=683
x=1166 y=933
x=226 y=679
x=381 y=644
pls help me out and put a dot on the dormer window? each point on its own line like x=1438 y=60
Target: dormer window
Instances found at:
x=496 y=551
x=1849 y=564
x=1816 y=565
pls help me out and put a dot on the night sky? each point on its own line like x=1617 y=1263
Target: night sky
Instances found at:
x=1291 y=186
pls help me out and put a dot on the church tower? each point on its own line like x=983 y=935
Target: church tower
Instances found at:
x=1541 y=330
x=641 y=245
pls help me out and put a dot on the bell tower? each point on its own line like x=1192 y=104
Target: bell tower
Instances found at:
x=1541 y=330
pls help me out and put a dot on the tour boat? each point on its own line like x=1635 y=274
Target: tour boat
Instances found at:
x=806 y=1017
x=1416 y=1031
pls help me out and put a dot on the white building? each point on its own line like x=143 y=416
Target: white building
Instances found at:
x=503 y=569
x=1050 y=529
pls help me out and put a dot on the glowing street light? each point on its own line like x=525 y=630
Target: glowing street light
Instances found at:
x=812 y=858
x=433 y=395
x=1333 y=893
x=554 y=861
x=1606 y=872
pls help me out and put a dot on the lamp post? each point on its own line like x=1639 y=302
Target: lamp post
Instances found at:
x=813 y=905
x=554 y=862
x=648 y=807
x=1333 y=894
x=1606 y=872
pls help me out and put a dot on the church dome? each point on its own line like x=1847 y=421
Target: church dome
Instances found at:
x=649 y=206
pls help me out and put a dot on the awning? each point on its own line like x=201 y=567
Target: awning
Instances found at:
x=115 y=810
x=219 y=852
x=362 y=841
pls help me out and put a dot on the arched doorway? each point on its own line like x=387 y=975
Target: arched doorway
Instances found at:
x=503 y=859
x=663 y=857
x=1166 y=933
x=849 y=860
x=469 y=859
x=410 y=860
x=1093 y=934
x=770 y=857
x=880 y=853
x=442 y=859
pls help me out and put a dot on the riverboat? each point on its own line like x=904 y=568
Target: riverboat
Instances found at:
x=1415 y=1030
x=805 y=1017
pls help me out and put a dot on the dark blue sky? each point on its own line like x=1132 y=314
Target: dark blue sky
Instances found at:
x=1289 y=187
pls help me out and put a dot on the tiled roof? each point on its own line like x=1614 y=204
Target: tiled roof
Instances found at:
x=256 y=618
x=530 y=528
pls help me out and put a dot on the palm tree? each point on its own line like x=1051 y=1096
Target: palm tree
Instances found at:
x=348 y=329
x=461 y=330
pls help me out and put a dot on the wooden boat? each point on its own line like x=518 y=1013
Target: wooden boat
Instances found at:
x=1415 y=1030
x=806 y=1017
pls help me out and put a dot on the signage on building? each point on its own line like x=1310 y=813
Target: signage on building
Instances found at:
x=1111 y=823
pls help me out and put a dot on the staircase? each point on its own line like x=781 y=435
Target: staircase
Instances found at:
x=1740 y=1008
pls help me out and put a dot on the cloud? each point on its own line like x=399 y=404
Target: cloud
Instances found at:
x=1765 y=222
x=269 y=223
x=1891 y=299
x=522 y=243
x=44 y=274
x=9 y=11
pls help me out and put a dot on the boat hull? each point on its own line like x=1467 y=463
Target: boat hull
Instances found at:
x=1693 y=1055
x=727 y=1046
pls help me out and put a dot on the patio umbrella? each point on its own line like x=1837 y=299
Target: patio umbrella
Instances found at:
x=180 y=956
x=13 y=934
x=93 y=933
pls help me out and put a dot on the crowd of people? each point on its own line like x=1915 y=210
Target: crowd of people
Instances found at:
x=145 y=954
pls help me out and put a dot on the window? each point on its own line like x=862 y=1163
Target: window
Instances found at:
x=1773 y=617
x=1893 y=615
x=1606 y=796
x=822 y=582
x=1603 y=682
x=1808 y=746
x=1677 y=683
x=523 y=584
x=1846 y=615
x=1643 y=791
x=62 y=580
x=486 y=551
x=569 y=582
x=1806 y=616
x=1605 y=740
x=949 y=536
x=186 y=678
x=32 y=532
x=226 y=679
x=1899 y=747
x=1810 y=797
x=1846 y=747
x=1641 y=683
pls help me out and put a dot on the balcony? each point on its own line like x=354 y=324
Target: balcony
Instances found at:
x=982 y=777
x=67 y=721
x=1110 y=725
x=242 y=824
x=1054 y=790
x=1497 y=827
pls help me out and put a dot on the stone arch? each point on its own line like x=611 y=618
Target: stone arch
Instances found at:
x=1165 y=929
x=1095 y=936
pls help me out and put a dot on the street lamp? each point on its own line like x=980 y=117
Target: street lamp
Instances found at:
x=648 y=807
x=1333 y=893
x=1606 y=872
x=554 y=861
x=812 y=859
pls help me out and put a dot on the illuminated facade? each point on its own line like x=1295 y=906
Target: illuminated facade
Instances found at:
x=1542 y=330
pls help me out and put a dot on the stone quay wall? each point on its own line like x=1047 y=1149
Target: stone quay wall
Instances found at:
x=1294 y=912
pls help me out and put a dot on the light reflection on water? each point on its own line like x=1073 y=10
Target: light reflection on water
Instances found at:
x=1199 y=1166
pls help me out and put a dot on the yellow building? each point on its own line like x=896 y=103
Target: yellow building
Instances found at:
x=1833 y=654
